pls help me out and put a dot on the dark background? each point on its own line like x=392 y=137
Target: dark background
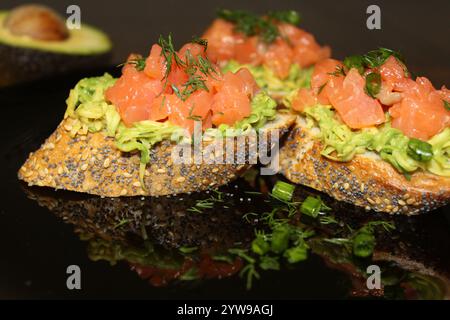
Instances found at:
x=419 y=29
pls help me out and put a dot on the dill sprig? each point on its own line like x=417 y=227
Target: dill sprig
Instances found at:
x=138 y=63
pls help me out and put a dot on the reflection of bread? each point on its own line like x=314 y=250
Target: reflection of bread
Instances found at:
x=92 y=164
x=165 y=220
x=364 y=181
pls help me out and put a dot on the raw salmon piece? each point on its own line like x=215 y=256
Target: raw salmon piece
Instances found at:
x=199 y=109
x=249 y=84
x=353 y=105
x=246 y=50
x=394 y=75
x=322 y=78
x=279 y=57
x=199 y=103
x=159 y=108
x=194 y=49
x=292 y=33
x=444 y=93
x=306 y=50
x=421 y=113
x=304 y=98
x=221 y=40
x=155 y=65
x=177 y=76
x=133 y=94
x=231 y=103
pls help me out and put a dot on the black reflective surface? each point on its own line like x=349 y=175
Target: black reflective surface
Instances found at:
x=130 y=247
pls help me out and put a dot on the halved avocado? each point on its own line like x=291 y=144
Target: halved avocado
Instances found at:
x=24 y=57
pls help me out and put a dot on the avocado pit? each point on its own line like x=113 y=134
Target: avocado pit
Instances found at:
x=37 y=22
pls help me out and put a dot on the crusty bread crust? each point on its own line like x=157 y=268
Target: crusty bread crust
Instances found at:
x=92 y=164
x=364 y=181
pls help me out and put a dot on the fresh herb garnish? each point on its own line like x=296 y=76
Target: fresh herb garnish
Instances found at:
x=372 y=60
x=138 y=63
x=373 y=84
x=356 y=62
x=288 y=16
x=446 y=105
x=252 y=24
x=376 y=58
x=321 y=88
x=169 y=54
x=338 y=72
x=200 y=41
x=195 y=67
x=420 y=150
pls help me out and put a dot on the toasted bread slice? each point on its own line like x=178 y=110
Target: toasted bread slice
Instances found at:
x=365 y=181
x=92 y=164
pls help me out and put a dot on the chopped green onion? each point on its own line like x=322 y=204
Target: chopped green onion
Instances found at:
x=363 y=244
x=420 y=150
x=313 y=206
x=373 y=84
x=283 y=191
x=356 y=62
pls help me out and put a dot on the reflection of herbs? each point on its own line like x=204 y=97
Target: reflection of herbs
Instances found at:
x=122 y=223
x=200 y=205
x=279 y=239
x=362 y=241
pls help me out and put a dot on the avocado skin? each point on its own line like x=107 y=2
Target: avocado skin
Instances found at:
x=18 y=64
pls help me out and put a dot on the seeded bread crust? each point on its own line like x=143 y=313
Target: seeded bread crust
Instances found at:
x=92 y=164
x=364 y=181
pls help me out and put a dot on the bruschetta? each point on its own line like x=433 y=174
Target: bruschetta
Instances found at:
x=119 y=136
x=370 y=134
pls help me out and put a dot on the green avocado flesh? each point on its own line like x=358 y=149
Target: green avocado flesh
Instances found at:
x=342 y=144
x=84 y=41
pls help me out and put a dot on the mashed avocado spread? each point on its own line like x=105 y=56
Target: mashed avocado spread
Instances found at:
x=342 y=144
x=267 y=80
